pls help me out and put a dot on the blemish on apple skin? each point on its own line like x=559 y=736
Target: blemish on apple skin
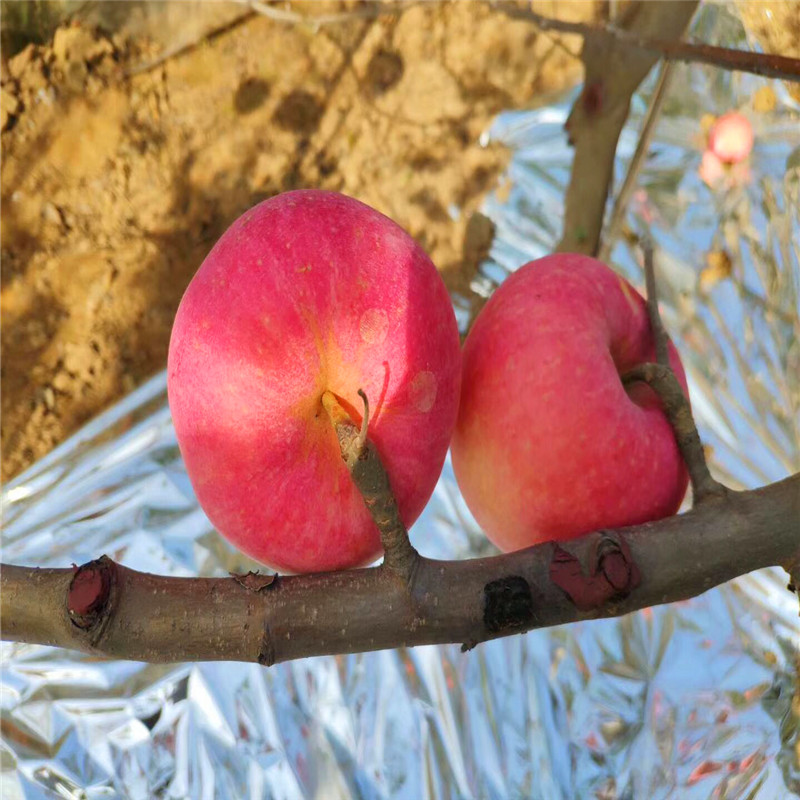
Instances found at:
x=422 y=391
x=373 y=326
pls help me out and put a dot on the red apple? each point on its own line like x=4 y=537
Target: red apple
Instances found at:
x=711 y=169
x=549 y=444
x=307 y=292
x=731 y=138
x=717 y=174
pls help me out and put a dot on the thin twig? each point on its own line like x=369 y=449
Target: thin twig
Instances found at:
x=768 y=65
x=367 y=11
x=369 y=476
x=642 y=146
x=660 y=337
x=661 y=378
x=277 y=14
x=186 y=47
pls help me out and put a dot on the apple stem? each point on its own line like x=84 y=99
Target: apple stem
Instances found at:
x=679 y=413
x=661 y=378
x=370 y=477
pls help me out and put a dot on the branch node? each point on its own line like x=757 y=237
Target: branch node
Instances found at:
x=254 y=581
x=592 y=97
x=612 y=573
x=89 y=593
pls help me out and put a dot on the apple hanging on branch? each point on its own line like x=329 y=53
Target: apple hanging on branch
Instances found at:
x=551 y=440
x=573 y=415
x=307 y=299
x=312 y=298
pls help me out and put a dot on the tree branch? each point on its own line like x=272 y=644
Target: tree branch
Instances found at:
x=617 y=59
x=663 y=381
x=150 y=618
x=768 y=65
x=659 y=331
x=613 y=73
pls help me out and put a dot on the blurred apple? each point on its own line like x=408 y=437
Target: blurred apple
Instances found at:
x=711 y=170
x=730 y=138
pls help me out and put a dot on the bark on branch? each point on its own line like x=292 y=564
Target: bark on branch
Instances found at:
x=614 y=71
x=768 y=65
x=133 y=615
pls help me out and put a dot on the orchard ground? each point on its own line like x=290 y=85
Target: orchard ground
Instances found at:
x=115 y=186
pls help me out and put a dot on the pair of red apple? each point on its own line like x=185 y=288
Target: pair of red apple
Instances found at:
x=728 y=146
x=313 y=291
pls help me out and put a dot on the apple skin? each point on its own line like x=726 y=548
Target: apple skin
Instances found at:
x=549 y=445
x=730 y=138
x=306 y=292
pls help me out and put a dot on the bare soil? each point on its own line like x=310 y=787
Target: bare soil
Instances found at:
x=124 y=161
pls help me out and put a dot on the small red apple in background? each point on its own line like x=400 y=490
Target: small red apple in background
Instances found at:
x=549 y=444
x=729 y=143
x=307 y=292
x=711 y=169
x=730 y=138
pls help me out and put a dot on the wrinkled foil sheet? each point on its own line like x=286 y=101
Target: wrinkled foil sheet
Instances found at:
x=692 y=700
